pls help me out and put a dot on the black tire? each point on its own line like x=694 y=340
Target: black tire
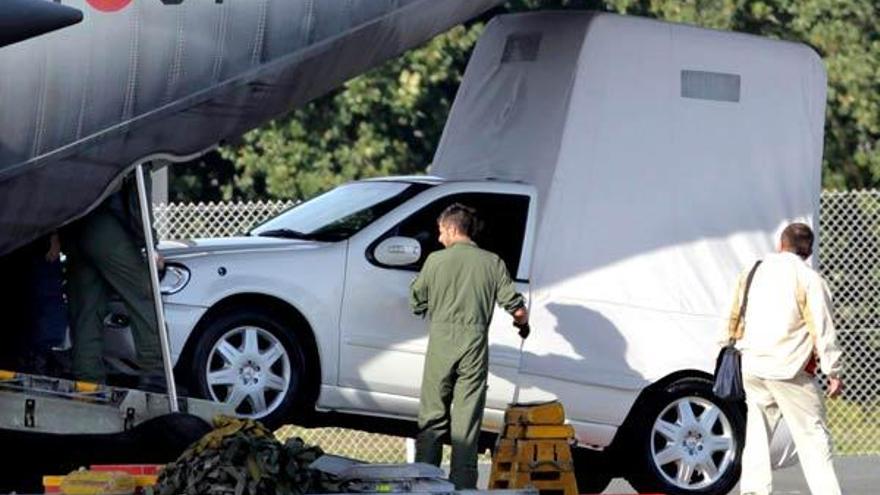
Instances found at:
x=272 y=331
x=695 y=443
x=594 y=470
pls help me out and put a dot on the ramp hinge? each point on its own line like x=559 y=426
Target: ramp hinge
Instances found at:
x=30 y=405
x=129 y=419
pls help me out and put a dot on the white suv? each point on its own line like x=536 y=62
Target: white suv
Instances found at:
x=315 y=299
x=310 y=309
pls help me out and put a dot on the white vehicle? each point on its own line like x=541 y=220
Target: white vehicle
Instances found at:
x=627 y=169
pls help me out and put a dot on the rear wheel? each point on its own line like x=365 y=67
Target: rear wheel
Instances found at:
x=687 y=441
x=252 y=360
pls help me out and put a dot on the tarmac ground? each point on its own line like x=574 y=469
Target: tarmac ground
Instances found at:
x=859 y=475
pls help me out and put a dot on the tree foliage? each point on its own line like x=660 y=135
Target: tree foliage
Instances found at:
x=389 y=120
x=846 y=33
x=384 y=122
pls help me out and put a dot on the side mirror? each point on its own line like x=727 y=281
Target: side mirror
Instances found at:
x=398 y=251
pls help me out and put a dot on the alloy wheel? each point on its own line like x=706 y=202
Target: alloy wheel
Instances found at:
x=249 y=368
x=693 y=443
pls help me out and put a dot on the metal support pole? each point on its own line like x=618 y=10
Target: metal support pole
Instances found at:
x=146 y=206
x=522 y=342
x=160 y=181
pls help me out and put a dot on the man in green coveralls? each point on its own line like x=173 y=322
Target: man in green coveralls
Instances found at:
x=104 y=250
x=457 y=289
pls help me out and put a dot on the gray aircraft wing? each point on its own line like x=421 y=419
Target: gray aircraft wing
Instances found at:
x=141 y=79
x=24 y=19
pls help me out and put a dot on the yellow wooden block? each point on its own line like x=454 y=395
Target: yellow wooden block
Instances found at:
x=534 y=450
x=86 y=387
x=533 y=454
x=539 y=432
x=145 y=480
x=52 y=481
x=549 y=431
x=505 y=448
x=98 y=483
x=565 y=484
x=548 y=413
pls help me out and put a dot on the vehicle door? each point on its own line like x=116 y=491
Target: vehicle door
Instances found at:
x=383 y=344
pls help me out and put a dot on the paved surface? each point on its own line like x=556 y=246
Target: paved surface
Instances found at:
x=858 y=476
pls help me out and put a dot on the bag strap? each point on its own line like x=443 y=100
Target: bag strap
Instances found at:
x=811 y=329
x=745 y=301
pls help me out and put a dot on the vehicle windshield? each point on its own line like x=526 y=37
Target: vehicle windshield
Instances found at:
x=339 y=213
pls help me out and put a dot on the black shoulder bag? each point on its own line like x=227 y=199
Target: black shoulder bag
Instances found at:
x=728 y=366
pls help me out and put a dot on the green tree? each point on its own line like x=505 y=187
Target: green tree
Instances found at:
x=846 y=33
x=203 y=179
x=389 y=120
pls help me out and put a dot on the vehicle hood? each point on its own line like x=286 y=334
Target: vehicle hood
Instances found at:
x=196 y=247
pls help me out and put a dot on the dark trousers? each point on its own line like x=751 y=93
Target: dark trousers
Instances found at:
x=104 y=256
x=32 y=304
x=47 y=305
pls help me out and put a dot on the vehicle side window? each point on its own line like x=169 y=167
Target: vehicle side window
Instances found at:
x=504 y=226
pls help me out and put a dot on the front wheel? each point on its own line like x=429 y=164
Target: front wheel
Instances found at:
x=688 y=441
x=251 y=360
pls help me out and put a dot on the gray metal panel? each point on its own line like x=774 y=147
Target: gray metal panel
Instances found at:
x=60 y=118
x=80 y=415
x=703 y=85
x=335 y=16
x=56 y=405
x=241 y=33
x=83 y=104
x=280 y=41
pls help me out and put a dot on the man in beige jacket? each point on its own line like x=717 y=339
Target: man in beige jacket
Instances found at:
x=787 y=324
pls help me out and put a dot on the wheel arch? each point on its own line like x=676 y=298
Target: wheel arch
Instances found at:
x=649 y=393
x=279 y=307
x=628 y=435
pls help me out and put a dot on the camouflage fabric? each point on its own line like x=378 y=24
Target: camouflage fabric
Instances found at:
x=241 y=457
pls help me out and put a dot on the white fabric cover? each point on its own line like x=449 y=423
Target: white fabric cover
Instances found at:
x=650 y=203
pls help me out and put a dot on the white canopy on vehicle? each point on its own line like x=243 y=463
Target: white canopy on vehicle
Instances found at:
x=667 y=159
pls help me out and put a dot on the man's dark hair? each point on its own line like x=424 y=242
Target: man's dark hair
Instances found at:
x=798 y=238
x=464 y=218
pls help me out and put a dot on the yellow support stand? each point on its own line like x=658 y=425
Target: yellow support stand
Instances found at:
x=534 y=450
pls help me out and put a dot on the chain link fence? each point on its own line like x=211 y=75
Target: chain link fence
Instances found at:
x=849 y=258
x=191 y=220
x=355 y=444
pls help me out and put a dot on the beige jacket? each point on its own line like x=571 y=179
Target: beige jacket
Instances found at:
x=788 y=317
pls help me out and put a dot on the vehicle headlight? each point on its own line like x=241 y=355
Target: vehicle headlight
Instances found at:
x=174 y=280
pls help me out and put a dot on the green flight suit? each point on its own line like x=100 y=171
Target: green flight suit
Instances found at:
x=103 y=255
x=457 y=289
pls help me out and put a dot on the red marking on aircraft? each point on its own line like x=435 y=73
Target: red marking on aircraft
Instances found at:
x=109 y=5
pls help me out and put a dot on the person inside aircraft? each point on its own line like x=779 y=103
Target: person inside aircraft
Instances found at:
x=34 y=306
x=105 y=251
